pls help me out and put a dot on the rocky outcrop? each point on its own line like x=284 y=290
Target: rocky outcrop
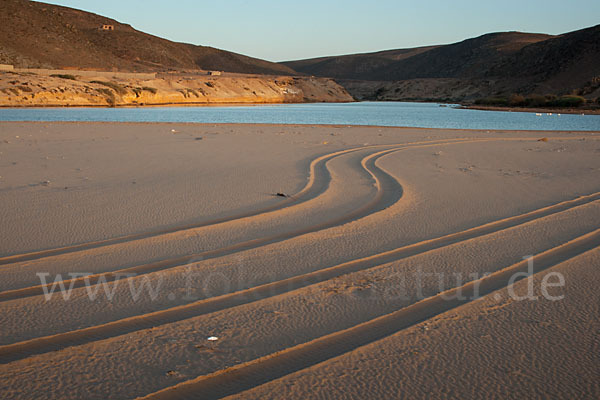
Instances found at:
x=20 y=89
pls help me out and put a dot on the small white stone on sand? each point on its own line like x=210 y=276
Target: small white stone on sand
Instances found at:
x=212 y=338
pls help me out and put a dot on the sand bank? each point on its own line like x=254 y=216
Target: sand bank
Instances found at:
x=312 y=292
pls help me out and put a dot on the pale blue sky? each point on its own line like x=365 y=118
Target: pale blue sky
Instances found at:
x=279 y=30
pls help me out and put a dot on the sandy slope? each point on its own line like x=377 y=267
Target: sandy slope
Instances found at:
x=312 y=294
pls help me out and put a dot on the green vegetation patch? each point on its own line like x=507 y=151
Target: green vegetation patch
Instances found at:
x=114 y=86
x=533 y=101
x=188 y=93
x=109 y=95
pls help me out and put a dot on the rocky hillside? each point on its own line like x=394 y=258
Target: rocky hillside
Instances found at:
x=490 y=65
x=355 y=66
x=38 y=35
x=466 y=59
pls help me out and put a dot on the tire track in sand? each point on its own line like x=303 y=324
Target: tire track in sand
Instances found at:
x=317 y=183
x=315 y=187
x=175 y=262
x=388 y=191
x=21 y=350
x=245 y=376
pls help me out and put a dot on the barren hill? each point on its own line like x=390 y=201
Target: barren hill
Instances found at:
x=38 y=35
x=355 y=66
x=463 y=59
x=492 y=64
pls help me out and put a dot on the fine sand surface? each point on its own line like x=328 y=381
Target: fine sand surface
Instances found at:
x=355 y=282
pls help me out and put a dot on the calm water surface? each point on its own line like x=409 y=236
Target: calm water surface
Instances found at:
x=425 y=115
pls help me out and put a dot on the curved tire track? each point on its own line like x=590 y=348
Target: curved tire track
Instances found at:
x=388 y=192
x=315 y=186
x=318 y=181
x=21 y=350
x=111 y=276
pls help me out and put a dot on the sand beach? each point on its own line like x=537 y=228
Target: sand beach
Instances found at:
x=169 y=260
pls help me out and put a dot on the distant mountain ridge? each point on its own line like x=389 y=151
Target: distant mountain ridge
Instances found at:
x=491 y=64
x=39 y=35
x=356 y=66
x=458 y=60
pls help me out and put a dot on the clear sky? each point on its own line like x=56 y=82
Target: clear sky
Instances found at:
x=279 y=30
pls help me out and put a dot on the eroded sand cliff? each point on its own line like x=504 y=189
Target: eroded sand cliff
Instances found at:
x=26 y=89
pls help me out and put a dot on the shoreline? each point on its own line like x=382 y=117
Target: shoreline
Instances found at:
x=175 y=104
x=337 y=126
x=542 y=110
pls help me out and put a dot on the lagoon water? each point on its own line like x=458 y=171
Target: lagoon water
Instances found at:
x=424 y=115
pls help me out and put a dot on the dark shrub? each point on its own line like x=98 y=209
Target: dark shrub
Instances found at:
x=64 y=76
x=535 y=100
x=569 y=101
x=516 y=100
x=492 y=101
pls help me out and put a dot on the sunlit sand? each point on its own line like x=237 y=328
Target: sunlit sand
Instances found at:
x=284 y=261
